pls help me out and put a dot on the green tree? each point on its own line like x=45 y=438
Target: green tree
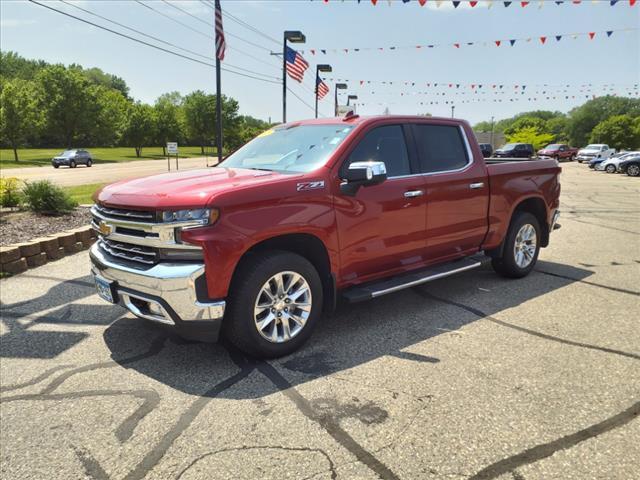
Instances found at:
x=199 y=116
x=168 y=122
x=66 y=101
x=139 y=127
x=557 y=126
x=483 y=126
x=525 y=122
x=19 y=113
x=530 y=135
x=620 y=132
x=107 y=118
x=583 y=119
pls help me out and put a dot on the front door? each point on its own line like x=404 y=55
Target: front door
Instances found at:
x=457 y=191
x=382 y=228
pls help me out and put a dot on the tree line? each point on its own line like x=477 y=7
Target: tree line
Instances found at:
x=44 y=105
x=609 y=119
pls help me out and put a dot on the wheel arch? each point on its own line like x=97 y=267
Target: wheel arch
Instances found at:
x=306 y=245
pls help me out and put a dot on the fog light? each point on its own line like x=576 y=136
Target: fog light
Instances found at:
x=155 y=309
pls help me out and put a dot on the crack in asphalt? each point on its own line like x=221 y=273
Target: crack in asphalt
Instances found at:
x=483 y=315
x=586 y=282
x=332 y=467
x=332 y=427
x=545 y=450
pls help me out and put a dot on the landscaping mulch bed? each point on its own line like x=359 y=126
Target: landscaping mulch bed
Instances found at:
x=16 y=227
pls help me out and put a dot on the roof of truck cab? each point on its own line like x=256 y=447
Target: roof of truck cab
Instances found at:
x=359 y=120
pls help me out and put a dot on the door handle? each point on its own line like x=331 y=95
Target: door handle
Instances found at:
x=413 y=193
x=474 y=186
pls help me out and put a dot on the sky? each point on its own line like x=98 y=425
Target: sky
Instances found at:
x=564 y=66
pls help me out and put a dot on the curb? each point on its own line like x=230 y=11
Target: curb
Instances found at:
x=20 y=257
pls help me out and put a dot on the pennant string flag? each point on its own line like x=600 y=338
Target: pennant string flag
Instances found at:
x=489 y=3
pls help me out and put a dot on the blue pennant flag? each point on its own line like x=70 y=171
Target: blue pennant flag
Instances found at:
x=609 y=32
x=455 y=4
x=506 y=4
x=558 y=37
x=512 y=42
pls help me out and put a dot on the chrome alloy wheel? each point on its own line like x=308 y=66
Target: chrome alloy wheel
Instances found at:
x=282 y=307
x=525 y=245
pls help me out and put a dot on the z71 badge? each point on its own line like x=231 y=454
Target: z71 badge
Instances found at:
x=304 y=186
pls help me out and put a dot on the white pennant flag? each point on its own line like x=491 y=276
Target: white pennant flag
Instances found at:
x=541 y=4
x=489 y=3
x=438 y=3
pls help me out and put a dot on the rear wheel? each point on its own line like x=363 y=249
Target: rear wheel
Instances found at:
x=633 y=170
x=275 y=302
x=521 y=247
x=56 y=166
x=89 y=163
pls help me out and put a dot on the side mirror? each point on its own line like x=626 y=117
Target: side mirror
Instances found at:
x=363 y=174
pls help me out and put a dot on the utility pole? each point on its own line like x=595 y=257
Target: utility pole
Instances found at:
x=492 y=133
x=452 y=110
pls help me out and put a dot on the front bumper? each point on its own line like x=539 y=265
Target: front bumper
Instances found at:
x=166 y=293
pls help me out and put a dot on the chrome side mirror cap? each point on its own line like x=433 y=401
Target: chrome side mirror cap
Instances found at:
x=363 y=174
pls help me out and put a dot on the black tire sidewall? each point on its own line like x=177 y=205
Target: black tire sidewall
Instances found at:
x=89 y=163
x=507 y=264
x=239 y=326
x=72 y=164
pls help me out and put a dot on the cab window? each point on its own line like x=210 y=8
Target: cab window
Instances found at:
x=384 y=144
x=440 y=148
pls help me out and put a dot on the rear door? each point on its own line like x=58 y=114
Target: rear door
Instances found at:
x=382 y=228
x=457 y=193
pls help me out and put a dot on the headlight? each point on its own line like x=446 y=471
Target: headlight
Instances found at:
x=203 y=216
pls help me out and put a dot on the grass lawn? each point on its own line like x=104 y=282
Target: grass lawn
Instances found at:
x=82 y=193
x=41 y=157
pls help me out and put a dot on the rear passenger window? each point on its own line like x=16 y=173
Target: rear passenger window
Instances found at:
x=384 y=144
x=440 y=148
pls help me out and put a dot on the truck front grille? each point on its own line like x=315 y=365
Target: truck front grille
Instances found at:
x=138 y=255
x=121 y=214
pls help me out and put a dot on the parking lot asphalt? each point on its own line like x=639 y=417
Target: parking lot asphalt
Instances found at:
x=473 y=376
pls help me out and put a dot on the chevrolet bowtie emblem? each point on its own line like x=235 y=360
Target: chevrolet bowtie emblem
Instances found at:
x=105 y=228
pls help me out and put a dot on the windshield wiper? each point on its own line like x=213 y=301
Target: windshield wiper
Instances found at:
x=262 y=169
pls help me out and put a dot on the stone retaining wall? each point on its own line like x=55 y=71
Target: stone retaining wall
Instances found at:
x=21 y=256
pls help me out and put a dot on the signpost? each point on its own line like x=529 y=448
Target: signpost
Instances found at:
x=172 y=149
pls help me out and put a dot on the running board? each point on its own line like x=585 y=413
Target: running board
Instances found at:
x=408 y=280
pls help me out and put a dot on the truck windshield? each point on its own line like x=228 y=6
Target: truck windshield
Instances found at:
x=297 y=149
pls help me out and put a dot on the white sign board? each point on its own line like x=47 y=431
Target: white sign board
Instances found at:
x=172 y=148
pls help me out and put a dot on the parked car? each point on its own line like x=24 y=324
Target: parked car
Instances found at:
x=592 y=151
x=515 y=150
x=486 y=149
x=630 y=166
x=610 y=165
x=259 y=246
x=559 y=151
x=72 y=158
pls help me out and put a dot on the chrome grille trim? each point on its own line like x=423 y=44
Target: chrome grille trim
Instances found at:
x=119 y=213
x=128 y=252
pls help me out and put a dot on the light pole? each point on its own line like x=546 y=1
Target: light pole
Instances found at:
x=323 y=67
x=339 y=86
x=453 y=107
x=294 y=36
x=351 y=97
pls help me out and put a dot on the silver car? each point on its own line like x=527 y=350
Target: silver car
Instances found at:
x=611 y=164
x=72 y=158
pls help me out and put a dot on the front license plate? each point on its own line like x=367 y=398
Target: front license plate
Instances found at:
x=105 y=289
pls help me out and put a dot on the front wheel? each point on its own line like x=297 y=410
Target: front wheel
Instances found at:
x=89 y=163
x=610 y=168
x=633 y=170
x=72 y=164
x=274 y=303
x=521 y=247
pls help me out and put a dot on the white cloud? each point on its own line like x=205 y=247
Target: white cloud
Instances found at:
x=13 y=23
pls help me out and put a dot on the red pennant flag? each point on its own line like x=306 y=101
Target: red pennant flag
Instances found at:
x=422 y=2
x=591 y=35
x=361 y=82
x=472 y=3
x=473 y=85
x=374 y=1
x=497 y=43
x=543 y=39
x=313 y=52
x=632 y=3
x=457 y=45
x=524 y=4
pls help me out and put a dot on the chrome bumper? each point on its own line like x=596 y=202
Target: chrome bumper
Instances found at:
x=165 y=293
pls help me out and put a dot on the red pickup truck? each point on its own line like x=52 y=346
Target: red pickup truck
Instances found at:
x=310 y=212
x=559 y=151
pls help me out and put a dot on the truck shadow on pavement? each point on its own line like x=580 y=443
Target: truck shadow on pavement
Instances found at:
x=354 y=335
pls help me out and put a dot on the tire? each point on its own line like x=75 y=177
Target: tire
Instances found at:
x=633 y=170
x=572 y=158
x=610 y=168
x=579 y=161
x=557 y=158
x=509 y=264
x=247 y=296
x=56 y=166
x=89 y=163
x=72 y=164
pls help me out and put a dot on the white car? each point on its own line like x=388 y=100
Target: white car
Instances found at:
x=593 y=150
x=610 y=165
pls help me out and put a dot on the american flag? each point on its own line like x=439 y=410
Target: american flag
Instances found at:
x=296 y=65
x=221 y=44
x=321 y=88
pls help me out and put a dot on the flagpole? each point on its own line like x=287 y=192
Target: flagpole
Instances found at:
x=218 y=98
x=316 y=90
x=284 y=78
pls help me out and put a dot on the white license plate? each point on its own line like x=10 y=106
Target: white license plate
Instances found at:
x=104 y=289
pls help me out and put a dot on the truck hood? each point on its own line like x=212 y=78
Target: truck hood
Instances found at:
x=187 y=189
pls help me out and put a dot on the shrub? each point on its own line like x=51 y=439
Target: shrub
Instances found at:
x=9 y=192
x=46 y=198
